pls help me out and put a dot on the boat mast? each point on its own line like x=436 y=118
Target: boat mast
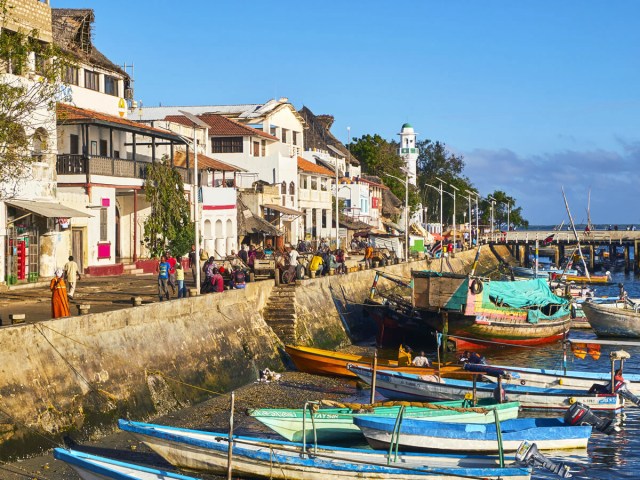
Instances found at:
x=573 y=227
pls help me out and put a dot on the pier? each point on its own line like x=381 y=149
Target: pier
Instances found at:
x=522 y=243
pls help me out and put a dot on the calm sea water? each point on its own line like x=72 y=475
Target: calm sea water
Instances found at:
x=608 y=457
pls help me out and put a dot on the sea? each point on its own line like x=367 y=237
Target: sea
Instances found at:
x=607 y=457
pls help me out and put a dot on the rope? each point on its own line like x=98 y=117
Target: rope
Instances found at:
x=158 y=372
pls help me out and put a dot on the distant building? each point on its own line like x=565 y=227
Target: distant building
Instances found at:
x=408 y=150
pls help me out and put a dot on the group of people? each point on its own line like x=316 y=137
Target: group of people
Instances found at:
x=217 y=277
x=170 y=275
x=63 y=287
x=325 y=260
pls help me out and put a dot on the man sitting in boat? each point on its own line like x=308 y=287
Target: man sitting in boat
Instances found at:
x=472 y=357
x=618 y=380
x=420 y=360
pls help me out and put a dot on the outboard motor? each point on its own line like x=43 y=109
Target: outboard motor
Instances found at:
x=580 y=414
x=625 y=393
x=529 y=455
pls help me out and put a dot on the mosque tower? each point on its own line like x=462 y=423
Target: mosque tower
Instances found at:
x=408 y=150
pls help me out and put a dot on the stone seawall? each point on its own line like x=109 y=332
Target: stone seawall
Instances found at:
x=80 y=373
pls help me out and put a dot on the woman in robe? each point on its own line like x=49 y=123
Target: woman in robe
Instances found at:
x=59 y=299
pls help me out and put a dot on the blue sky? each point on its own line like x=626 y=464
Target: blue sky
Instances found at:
x=534 y=95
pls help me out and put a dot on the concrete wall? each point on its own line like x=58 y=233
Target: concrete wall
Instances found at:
x=84 y=372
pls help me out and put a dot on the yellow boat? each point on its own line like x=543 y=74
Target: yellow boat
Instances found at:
x=328 y=362
x=584 y=279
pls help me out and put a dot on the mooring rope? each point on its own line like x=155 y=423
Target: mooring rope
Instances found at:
x=355 y=407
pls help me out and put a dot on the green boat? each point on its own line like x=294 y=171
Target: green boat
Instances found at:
x=336 y=424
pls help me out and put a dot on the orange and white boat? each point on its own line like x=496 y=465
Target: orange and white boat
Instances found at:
x=328 y=362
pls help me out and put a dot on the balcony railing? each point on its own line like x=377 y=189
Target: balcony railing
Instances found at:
x=76 y=164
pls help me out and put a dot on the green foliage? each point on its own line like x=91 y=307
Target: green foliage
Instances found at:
x=29 y=90
x=168 y=225
x=380 y=157
x=503 y=209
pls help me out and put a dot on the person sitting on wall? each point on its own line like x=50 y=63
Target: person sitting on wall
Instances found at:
x=316 y=263
x=217 y=282
x=238 y=278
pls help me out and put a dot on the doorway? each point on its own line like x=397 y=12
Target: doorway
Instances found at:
x=118 y=255
x=77 y=247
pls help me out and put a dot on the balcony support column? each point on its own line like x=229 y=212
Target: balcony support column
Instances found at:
x=113 y=162
x=135 y=225
x=133 y=154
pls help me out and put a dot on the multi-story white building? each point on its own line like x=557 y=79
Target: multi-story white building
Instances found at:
x=315 y=200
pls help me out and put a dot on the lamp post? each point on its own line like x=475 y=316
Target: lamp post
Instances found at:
x=439 y=190
x=406 y=210
x=455 y=189
x=493 y=201
x=196 y=181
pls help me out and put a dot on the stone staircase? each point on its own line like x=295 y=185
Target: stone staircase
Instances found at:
x=280 y=312
x=130 y=269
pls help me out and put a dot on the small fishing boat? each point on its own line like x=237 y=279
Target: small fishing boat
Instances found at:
x=599 y=279
x=332 y=425
x=405 y=386
x=328 y=362
x=93 y=467
x=416 y=434
x=618 y=319
x=257 y=457
x=542 y=272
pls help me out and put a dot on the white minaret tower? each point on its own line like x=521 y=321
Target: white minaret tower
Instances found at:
x=408 y=150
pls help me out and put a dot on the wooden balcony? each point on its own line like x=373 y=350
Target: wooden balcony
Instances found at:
x=76 y=164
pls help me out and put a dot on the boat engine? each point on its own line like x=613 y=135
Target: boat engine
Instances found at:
x=580 y=414
x=625 y=393
x=528 y=454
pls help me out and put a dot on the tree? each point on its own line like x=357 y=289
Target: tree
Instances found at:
x=434 y=162
x=379 y=157
x=29 y=89
x=169 y=224
x=504 y=208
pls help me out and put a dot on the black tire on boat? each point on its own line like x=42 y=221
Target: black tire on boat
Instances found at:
x=476 y=286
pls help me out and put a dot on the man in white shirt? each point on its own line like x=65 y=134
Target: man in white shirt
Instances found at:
x=293 y=257
x=420 y=361
x=72 y=275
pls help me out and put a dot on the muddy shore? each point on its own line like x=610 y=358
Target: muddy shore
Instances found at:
x=293 y=389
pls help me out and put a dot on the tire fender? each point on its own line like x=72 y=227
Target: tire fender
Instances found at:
x=476 y=286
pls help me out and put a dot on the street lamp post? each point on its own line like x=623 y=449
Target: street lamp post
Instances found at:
x=406 y=211
x=196 y=181
x=455 y=189
x=493 y=201
x=439 y=190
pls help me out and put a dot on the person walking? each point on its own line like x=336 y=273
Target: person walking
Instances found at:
x=72 y=275
x=368 y=256
x=163 y=278
x=193 y=262
x=182 y=290
x=59 y=300
x=172 y=272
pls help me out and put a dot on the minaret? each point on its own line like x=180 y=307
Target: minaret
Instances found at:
x=408 y=150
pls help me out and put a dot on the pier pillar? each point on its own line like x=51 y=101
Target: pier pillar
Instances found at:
x=636 y=257
x=627 y=263
x=592 y=261
x=526 y=262
x=556 y=256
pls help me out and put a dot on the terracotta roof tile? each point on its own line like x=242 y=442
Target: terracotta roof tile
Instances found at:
x=307 y=166
x=221 y=125
x=71 y=114
x=204 y=162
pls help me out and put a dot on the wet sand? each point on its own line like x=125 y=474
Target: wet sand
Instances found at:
x=293 y=389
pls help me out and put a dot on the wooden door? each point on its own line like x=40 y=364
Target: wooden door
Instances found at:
x=77 y=249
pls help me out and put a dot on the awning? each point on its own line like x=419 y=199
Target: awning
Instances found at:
x=281 y=209
x=47 y=209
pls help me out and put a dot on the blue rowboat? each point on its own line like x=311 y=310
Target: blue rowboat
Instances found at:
x=93 y=467
x=258 y=457
x=405 y=386
x=416 y=434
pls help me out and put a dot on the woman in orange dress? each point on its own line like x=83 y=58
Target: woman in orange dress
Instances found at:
x=59 y=299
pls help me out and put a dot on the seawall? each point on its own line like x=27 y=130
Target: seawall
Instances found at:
x=81 y=373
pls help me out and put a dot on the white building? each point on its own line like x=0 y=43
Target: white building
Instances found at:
x=315 y=200
x=409 y=151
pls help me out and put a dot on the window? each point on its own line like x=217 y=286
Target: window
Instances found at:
x=314 y=183
x=273 y=131
x=40 y=64
x=74 y=145
x=116 y=154
x=226 y=145
x=91 y=80
x=305 y=182
x=70 y=75
x=103 y=224
x=284 y=136
x=111 y=85
x=256 y=149
x=323 y=184
x=292 y=188
x=295 y=138
x=103 y=148
x=283 y=189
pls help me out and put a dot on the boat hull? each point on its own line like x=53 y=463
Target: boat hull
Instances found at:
x=547 y=433
x=411 y=387
x=612 y=320
x=207 y=451
x=335 y=425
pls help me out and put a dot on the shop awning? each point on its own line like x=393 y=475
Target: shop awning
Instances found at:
x=47 y=209
x=281 y=209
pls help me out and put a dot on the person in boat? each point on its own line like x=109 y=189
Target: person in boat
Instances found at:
x=618 y=383
x=420 y=360
x=473 y=358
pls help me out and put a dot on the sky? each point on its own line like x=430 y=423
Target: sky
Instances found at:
x=535 y=95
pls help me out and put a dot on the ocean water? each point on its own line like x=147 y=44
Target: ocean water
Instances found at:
x=608 y=457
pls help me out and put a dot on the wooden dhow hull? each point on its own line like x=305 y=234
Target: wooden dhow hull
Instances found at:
x=613 y=319
x=207 y=452
x=399 y=386
x=335 y=425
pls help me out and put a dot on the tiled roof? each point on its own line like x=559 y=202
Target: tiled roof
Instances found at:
x=221 y=125
x=307 y=166
x=373 y=183
x=70 y=114
x=204 y=162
